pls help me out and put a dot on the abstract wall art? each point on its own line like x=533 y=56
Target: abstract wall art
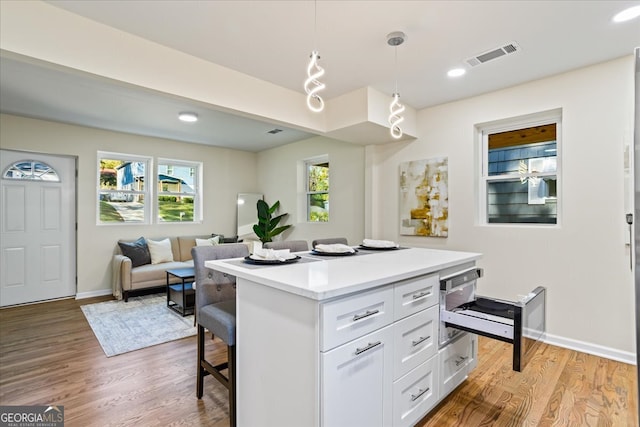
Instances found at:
x=424 y=198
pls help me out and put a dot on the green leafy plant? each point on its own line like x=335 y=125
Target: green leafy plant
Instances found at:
x=267 y=226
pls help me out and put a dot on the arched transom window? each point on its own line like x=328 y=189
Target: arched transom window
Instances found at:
x=31 y=170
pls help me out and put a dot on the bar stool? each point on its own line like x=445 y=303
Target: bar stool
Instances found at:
x=329 y=241
x=216 y=312
x=292 y=245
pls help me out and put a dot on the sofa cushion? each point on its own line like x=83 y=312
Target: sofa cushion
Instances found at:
x=185 y=243
x=137 y=251
x=160 y=251
x=155 y=274
x=211 y=241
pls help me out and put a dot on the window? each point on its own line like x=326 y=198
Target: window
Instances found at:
x=317 y=188
x=178 y=191
x=31 y=170
x=122 y=194
x=519 y=183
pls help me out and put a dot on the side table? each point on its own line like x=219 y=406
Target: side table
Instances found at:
x=181 y=296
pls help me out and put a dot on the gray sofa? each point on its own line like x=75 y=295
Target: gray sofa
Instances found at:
x=127 y=279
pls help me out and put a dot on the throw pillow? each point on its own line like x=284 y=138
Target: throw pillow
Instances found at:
x=160 y=251
x=208 y=242
x=137 y=252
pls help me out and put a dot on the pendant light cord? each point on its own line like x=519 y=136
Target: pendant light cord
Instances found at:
x=396 y=70
x=315 y=24
x=313 y=85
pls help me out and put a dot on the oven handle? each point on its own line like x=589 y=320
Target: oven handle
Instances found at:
x=458 y=273
x=460 y=277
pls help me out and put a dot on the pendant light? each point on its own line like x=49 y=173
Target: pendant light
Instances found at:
x=395 y=39
x=312 y=85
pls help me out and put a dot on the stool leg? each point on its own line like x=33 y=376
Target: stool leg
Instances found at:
x=200 y=379
x=231 y=354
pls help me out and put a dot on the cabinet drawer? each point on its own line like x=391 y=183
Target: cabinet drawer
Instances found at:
x=413 y=295
x=415 y=393
x=416 y=340
x=456 y=361
x=357 y=386
x=348 y=318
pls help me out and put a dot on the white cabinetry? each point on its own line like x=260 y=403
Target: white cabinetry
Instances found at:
x=456 y=361
x=415 y=393
x=413 y=295
x=379 y=355
x=415 y=387
x=351 y=317
x=357 y=370
x=357 y=382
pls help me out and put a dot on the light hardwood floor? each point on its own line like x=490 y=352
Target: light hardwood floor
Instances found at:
x=49 y=356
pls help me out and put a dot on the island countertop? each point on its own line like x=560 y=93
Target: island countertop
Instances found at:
x=326 y=277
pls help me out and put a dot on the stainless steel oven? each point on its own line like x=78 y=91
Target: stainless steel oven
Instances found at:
x=456 y=290
x=520 y=323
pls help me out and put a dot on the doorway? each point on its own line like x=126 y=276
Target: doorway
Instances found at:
x=38 y=227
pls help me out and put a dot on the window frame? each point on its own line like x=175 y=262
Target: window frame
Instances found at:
x=147 y=193
x=48 y=175
x=483 y=178
x=307 y=193
x=197 y=195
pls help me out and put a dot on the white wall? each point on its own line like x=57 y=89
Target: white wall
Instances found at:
x=279 y=178
x=225 y=173
x=584 y=262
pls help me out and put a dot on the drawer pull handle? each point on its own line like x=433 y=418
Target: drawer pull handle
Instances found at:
x=366 y=314
x=460 y=360
x=421 y=295
x=368 y=347
x=420 y=340
x=415 y=397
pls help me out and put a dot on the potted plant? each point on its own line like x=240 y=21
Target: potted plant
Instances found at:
x=267 y=226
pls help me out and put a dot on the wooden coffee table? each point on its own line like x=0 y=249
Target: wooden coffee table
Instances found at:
x=181 y=296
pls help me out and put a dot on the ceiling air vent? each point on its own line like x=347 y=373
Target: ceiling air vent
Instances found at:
x=494 y=54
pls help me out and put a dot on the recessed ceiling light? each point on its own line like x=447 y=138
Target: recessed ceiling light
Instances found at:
x=627 y=14
x=456 y=72
x=188 y=117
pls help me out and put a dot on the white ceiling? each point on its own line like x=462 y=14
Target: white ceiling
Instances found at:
x=271 y=40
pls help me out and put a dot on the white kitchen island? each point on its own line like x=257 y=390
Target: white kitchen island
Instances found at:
x=344 y=341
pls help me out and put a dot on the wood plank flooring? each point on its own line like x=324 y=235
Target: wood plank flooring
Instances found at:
x=49 y=355
x=559 y=387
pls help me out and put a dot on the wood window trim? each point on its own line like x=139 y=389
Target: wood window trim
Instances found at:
x=524 y=136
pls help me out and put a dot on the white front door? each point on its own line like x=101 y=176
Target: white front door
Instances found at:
x=37 y=219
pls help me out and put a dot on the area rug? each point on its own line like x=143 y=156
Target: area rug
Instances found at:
x=144 y=321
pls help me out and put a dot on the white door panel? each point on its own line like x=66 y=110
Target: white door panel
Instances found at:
x=14 y=218
x=38 y=256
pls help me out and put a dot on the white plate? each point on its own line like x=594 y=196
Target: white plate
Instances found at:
x=286 y=258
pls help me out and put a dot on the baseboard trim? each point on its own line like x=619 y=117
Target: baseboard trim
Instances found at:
x=91 y=294
x=589 y=348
